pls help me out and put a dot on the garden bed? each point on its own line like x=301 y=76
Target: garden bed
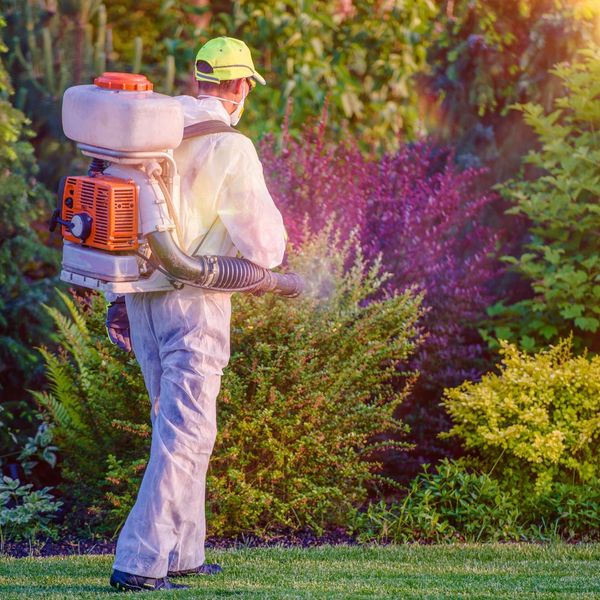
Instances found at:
x=77 y=546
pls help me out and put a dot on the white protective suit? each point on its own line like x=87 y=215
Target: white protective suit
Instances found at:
x=181 y=340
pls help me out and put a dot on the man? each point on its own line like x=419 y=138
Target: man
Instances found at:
x=181 y=337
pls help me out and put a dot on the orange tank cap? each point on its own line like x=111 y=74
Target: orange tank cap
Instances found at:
x=129 y=82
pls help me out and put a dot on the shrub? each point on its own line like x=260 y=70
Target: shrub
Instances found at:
x=27 y=268
x=425 y=217
x=536 y=421
x=25 y=513
x=560 y=262
x=428 y=221
x=446 y=505
x=571 y=512
x=310 y=383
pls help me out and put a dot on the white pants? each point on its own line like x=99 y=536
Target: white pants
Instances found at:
x=181 y=340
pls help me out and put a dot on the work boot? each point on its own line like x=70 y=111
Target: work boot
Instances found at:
x=203 y=569
x=126 y=582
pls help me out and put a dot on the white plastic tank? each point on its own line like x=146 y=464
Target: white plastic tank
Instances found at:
x=121 y=112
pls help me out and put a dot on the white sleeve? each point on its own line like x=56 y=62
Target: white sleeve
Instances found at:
x=245 y=205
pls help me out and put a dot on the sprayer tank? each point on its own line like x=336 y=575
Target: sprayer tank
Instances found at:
x=122 y=113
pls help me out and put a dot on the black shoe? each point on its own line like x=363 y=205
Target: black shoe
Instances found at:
x=203 y=569
x=126 y=582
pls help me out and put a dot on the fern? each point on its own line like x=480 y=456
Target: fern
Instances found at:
x=59 y=413
x=77 y=317
x=62 y=387
x=89 y=386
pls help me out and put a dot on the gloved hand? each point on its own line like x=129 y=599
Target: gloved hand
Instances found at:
x=117 y=324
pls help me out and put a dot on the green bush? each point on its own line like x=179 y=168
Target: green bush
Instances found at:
x=566 y=511
x=26 y=270
x=456 y=503
x=24 y=261
x=449 y=504
x=310 y=385
x=25 y=513
x=535 y=422
x=561 y=261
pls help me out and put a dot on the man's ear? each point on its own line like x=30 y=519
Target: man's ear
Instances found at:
x=238 y=86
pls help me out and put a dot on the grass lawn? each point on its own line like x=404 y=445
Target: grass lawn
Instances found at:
x=470 y=571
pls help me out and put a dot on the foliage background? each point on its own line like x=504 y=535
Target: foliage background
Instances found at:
x=485 y=56
x=27 y=276
x=559 y=259
x=418 y=148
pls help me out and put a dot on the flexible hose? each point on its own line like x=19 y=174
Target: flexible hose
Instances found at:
x=224 y=273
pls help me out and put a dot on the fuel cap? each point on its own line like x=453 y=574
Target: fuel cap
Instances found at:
x=128 y=82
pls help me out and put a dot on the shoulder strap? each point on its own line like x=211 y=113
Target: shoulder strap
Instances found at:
x=206 y=128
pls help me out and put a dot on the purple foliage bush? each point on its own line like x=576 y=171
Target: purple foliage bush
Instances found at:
x=427 y=220
x=310 y=179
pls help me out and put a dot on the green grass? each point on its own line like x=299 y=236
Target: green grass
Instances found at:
x=470 y=571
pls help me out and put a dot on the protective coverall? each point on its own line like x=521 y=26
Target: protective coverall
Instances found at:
x=181 y=341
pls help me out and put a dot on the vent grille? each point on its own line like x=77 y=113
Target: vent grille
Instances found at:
x=87 y=195
x=102 y=215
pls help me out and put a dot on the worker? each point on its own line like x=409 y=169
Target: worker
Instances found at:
x=180 y=337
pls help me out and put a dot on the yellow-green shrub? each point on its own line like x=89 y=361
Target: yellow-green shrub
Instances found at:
x=536 y=421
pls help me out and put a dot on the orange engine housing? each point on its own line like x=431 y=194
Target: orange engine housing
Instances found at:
x=112 y=204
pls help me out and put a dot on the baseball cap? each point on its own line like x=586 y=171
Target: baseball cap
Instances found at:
x=223 y=59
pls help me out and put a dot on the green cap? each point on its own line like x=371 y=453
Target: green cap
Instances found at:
x=223 y=59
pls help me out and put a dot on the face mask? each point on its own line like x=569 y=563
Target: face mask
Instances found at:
x=236 y=115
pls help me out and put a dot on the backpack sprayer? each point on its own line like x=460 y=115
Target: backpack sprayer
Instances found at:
x=119 y=223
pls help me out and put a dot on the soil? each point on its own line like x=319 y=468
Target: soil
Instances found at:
x=74 y=546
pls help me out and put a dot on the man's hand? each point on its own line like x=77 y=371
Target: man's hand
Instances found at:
x=117 y=324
